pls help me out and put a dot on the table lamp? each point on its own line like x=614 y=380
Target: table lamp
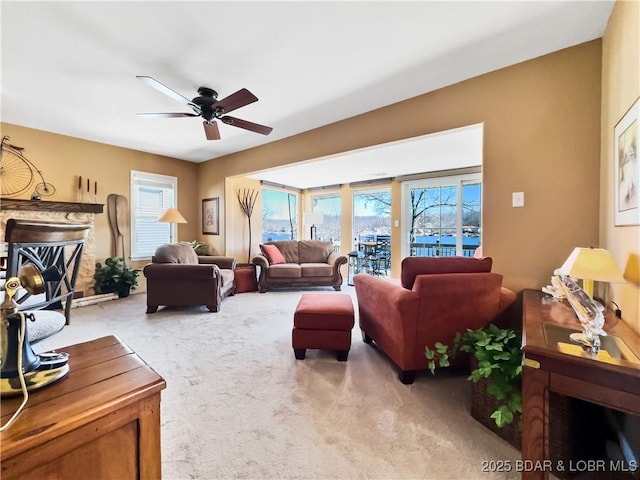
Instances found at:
x=313 y=219
x=589 y=265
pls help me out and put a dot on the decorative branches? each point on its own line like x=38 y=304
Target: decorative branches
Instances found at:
x=247 y=198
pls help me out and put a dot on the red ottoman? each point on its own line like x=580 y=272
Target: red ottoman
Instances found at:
x=323 y=320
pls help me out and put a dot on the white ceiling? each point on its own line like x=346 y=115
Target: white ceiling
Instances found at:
x=70 y=67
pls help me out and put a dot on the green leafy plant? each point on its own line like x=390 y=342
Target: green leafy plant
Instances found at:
x=200 y=248
x=498 y=355
x=115 y=276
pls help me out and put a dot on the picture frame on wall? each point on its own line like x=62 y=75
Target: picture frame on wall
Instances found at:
x=211 y=216
x=627 y=168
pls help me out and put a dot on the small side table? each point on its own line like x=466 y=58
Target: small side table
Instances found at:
x=101 y=421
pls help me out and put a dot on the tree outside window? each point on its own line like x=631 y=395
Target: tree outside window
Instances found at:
x=279 y=215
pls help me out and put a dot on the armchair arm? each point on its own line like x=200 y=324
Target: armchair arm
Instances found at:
x=175 y=271
x=336 y=260
x=219 y=260
x=261 y=261
x=388 y=313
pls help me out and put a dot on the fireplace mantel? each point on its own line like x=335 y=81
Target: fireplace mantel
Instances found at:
x=44 y=205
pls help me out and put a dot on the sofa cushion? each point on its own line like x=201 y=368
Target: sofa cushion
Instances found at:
x=316 y=269
x=285 y=270
x=181 y=252
x=413 y=266
x=273 y=254
x=288 y=248
x=314 y=251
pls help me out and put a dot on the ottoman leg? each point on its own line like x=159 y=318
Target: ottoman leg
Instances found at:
x=342 y=355
x=300 y=353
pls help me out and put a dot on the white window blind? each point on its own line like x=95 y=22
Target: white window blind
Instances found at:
x=152 y=194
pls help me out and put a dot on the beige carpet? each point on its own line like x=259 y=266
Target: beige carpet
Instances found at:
x=238 y=405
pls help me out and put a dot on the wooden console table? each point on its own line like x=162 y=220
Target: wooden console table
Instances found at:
x=553 y=364
x=101 y=421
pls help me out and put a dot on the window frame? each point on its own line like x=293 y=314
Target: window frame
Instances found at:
x=136 y=179
x=286 y=191
x=440 y=181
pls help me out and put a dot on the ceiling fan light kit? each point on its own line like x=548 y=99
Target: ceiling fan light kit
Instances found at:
x=207 y=106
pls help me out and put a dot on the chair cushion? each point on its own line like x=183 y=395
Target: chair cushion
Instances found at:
x=47 y=323
x=181 y=252
x=273 y=254
x=413 y=266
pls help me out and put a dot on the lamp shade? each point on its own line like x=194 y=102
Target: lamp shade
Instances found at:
x=172 y=215
x=312 y=218
x=591 y=264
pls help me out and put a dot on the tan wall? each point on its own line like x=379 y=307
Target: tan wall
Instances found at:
x=541 y=136
x=62 y=159
x=620 y=89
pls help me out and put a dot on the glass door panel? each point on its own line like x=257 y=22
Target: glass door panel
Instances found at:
x=443 y=217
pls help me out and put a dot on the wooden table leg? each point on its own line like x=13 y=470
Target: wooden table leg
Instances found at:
x=535 y=424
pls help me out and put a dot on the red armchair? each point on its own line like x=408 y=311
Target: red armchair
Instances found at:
x=434 y=299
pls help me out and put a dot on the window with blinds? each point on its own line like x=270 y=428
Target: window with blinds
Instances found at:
x=151 y=195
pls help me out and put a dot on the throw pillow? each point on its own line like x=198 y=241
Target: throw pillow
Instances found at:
x=273 y=254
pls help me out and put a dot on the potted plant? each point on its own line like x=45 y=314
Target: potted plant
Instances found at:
x=497 y=355
x=200 y=248
x=115 y=276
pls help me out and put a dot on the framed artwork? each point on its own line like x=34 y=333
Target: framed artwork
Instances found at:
x=627 y=168
x=211 y=216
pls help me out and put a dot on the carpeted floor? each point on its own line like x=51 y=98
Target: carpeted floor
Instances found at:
x=238 y=405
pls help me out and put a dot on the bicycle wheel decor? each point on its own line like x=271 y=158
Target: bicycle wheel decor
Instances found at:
x=45 y=189
x=17 y=173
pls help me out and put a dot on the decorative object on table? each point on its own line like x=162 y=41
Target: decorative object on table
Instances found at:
x=115 y=276
x=589 y=264
x=211 y=216
x=200 y=248
x=247 y=199
x=17 y=173
x=311 y=219
x=627 y=168
x=207 y=106
x=589 y=312
x=22 y=369
x=118 y=214
x=498 y=357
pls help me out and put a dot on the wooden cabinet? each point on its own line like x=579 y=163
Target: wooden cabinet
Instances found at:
x=101 y=421
x=553 y=364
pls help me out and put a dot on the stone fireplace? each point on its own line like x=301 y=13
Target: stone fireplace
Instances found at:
x=63 y=212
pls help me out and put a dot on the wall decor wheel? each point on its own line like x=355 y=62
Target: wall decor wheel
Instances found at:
x=45 y=189
x=16 y=174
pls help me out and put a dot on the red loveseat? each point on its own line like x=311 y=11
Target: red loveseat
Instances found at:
x=434 y=299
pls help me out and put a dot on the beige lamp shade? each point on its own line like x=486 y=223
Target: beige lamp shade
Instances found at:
x=312 y=218
x=589 y=264
x=172 y=215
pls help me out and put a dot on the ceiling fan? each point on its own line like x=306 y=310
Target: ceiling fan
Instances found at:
x=207 y=106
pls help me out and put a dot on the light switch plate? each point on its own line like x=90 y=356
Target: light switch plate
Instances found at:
x=518 y=199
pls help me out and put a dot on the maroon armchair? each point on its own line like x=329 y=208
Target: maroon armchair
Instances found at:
x=177 y=276
x=434 y=299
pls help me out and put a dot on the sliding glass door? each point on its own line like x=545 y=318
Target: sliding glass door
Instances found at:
x=442 y=216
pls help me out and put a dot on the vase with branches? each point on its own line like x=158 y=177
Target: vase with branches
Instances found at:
x=247 y=198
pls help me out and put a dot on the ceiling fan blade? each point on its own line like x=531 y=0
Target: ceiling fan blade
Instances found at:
x=236 y=100
x=166 y=115
x=211 y=130
x=254 y=127
x=152 y=82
